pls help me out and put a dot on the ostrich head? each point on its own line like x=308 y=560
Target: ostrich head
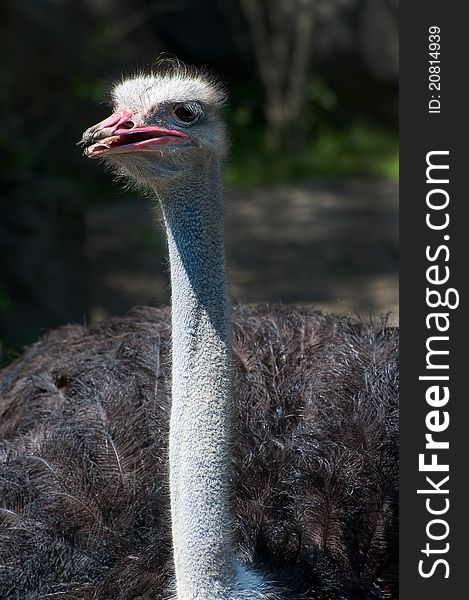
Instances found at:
x=162 y=125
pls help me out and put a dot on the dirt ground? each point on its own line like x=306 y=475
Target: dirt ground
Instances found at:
x=329 y=245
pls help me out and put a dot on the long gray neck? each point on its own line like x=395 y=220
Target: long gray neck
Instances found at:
x=201 y=386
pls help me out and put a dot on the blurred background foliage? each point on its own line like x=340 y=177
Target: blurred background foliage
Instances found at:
x=313 y=97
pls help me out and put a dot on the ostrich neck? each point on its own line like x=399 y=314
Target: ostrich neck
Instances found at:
x=201 y=386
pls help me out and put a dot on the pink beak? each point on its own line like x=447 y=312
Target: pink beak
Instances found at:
x=121 y=134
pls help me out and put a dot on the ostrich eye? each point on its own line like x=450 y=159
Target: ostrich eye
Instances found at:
x=187 y=113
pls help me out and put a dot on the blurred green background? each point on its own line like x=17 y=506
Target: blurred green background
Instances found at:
x=311 y=179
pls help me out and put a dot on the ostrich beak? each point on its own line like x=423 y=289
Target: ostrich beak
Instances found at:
x=119 y=134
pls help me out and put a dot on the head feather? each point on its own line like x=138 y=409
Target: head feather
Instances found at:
x=170 y=80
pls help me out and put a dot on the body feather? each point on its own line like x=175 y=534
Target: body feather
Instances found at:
x=84 y=484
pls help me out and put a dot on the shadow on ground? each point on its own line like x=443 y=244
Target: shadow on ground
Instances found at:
x=328 y=245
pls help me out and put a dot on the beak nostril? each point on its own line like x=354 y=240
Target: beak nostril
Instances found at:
x=127 y=124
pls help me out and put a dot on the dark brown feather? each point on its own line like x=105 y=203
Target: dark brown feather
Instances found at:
x=84 y=502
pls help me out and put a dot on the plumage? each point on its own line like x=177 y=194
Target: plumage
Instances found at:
x=84 y=482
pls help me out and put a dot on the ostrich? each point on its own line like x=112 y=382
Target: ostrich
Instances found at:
x=211 y=453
